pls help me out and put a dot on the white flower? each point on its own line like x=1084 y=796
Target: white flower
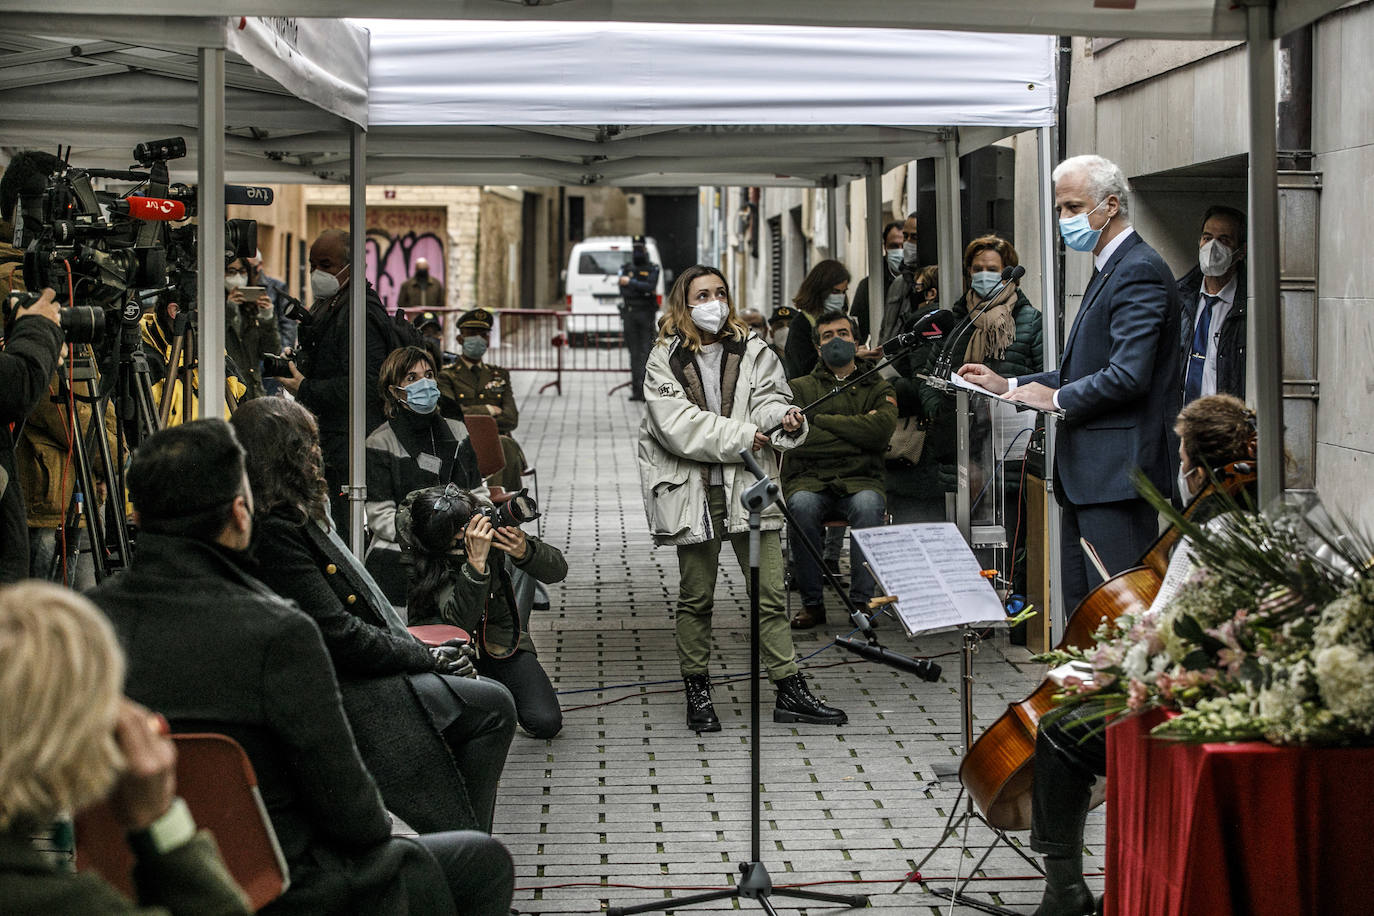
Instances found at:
x=1345 y=678
x=1137 y=661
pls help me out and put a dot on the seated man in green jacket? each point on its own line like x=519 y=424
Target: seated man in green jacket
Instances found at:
x=838 y=472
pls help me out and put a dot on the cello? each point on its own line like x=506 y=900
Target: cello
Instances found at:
x=997 y=770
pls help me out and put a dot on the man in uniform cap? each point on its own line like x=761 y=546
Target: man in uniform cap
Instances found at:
x=474 y=386
x=778 y=324
x=431 y=327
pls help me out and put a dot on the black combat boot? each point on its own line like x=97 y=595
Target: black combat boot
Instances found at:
x=797 y=704
x=701 y=715
x=1066 y=893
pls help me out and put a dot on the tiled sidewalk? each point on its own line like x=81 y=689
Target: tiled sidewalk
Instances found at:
x=627 y=796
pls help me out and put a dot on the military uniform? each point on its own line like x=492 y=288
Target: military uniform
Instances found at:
x=477 y=387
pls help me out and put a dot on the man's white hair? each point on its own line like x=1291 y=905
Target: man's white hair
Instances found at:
x=1103 y=177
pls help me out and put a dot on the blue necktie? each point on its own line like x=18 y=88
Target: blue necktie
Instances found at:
x=1197 y=359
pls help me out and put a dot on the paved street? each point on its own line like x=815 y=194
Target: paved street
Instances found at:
x=626 y=806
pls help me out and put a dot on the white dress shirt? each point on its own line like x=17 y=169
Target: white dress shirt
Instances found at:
x=1227 y=298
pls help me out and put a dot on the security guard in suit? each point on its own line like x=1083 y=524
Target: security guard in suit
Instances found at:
x=639 y=312
x=473 y=386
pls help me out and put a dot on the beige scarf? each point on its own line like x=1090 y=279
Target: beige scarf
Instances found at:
x=994 y=329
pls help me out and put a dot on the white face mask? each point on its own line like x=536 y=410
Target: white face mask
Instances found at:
x=835 y=301
x=894 y=257
x=780 y=338
x=323 y=284
x=1185 y=487
x=909 y=252
x=234 y=281
x=710 y=316
x=1215 y=258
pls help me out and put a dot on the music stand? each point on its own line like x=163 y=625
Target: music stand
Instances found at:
x=754 y=883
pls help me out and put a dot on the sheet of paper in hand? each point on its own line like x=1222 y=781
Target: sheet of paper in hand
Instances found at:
x=934 y=575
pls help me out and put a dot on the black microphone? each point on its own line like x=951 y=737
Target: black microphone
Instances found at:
x=924 y=669
x=933 y=325
x=247 y=194
x=942 y=363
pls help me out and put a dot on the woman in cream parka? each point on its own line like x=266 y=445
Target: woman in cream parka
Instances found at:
x=711 y=388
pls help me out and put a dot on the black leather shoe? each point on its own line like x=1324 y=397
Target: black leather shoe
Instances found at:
x=797 y=704
x=701 y=715
x=808 y=617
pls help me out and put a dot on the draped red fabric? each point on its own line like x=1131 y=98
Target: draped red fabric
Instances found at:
x=1236 y=828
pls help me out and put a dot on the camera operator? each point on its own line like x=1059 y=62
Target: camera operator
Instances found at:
x=320 y=374
x=33 y=349
x=250 y=327
x=160 y=328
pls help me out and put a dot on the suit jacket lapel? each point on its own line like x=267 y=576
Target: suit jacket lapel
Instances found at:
x=1098 y=283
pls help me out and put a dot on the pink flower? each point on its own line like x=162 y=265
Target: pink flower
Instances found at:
x=1136 y=696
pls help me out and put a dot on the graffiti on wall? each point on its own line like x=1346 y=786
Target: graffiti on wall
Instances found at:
x=396 y=238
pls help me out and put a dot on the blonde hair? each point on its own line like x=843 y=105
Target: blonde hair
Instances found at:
x=677 y=314
x=61 y=683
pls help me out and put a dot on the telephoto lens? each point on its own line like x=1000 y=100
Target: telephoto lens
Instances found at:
x=82 y=324
x=274 y=366
x=520 y=508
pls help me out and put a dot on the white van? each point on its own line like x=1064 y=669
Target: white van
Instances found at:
x=593 y=285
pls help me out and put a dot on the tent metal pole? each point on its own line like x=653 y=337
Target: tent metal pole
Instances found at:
x=873 y=224
x=948 y=229
x=357 y=329
x=1266 y=349
x=210 y=233
x=832 y=217
x=1049 y=314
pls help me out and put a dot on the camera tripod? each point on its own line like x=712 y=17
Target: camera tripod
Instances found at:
x=754 y=882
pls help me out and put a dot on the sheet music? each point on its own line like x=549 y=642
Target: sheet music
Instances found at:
x=956 y=380
x=933 y=574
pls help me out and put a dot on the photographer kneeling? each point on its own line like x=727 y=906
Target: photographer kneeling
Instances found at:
x=460 y=580
x=33 y=350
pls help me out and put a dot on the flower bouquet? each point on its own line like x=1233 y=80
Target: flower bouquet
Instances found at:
x=1270 y=638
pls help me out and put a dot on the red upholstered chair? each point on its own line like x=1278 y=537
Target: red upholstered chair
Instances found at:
x=486 y=442
x=436 y=634
x=217 y=781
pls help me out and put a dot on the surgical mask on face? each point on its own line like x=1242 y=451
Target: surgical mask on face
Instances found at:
x=323 y=284
x=1078 y=233
x=984 y=281
x=909 y=252
x=1185 y=487
x=780 y=338
x=835 y=301
x=837 y=352
x=474 y=347
x=234 y=281
x=710 y=316
x=1215 y=258
x=894 y=257
x=422 y=395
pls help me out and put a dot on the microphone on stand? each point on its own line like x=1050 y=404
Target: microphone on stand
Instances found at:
x=932 y=326
x=925 y=669
x=942 y=362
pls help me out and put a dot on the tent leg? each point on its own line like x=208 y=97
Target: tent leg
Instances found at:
x=1049 y=309
x=873 y=244
x=210 y=241
x=357 y=410
x=1266 y=350
x=832 y=217
x=948 y=230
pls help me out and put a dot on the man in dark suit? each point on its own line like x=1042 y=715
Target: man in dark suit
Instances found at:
x=215 y=650
x=1117 y=382
x=1212 y=294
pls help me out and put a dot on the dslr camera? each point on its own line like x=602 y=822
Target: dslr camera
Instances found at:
x=512 y=513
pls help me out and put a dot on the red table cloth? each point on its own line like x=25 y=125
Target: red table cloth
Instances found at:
x=1236 y=828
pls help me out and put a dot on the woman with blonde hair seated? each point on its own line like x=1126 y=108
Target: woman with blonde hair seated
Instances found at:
x=68 y=738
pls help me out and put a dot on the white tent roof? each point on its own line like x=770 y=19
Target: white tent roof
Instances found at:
x=1117 y=18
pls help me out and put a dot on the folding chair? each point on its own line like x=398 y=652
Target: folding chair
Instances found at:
x=216 y=779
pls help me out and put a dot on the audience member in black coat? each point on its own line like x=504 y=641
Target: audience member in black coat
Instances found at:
x=33 y=347
x=215 y=650
x=401 y=696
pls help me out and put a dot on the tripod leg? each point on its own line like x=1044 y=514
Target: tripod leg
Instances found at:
x=819 y=558
x=673 y=904
x=850 y=900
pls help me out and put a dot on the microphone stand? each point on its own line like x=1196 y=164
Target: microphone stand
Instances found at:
x=754 y=882
x=901 y=349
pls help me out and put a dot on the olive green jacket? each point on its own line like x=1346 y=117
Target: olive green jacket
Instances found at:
x=849 y=434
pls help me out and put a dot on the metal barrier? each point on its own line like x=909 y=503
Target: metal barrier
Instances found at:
x=551 y=340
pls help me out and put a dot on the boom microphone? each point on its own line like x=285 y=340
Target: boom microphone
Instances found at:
x=932 y=326
x=247 y=194
x=152 y=209
x=923 y=668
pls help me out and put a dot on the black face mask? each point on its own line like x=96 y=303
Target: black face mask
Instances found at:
x=422 y=275
x=838 y=352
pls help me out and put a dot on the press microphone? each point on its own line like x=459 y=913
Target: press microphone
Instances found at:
x=151 y=209
x=924 y=669
x=247 y=194
x=933 y=325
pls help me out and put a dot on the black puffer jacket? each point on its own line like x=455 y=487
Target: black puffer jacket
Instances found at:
x=26 y=366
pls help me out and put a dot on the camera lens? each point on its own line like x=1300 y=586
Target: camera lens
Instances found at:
x=82 y=324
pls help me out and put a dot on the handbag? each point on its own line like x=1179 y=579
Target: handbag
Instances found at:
x=908 y=441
